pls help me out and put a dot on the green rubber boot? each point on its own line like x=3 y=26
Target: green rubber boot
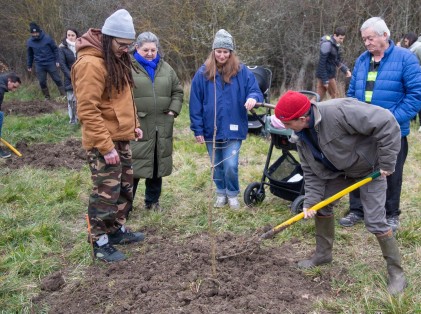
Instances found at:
x=397 y=282
x=325 y=234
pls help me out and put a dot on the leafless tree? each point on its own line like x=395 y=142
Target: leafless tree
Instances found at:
x=283 y=35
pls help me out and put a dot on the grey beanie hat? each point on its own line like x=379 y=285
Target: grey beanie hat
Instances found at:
x=223 y=39
x=120 y=25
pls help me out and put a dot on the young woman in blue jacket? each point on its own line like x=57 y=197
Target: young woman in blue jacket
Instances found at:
x=222 y=91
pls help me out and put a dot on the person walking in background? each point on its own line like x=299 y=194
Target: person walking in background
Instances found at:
x=389 y=77
x=8 y=83
x=329 y=61
x=103 y=81
x=222 y=91
x=331 y=137
x=413 y=43
x=43 y=51
x=67 y=56
x=158 y=96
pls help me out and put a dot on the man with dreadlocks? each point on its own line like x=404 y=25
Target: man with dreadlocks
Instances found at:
x=103 y=83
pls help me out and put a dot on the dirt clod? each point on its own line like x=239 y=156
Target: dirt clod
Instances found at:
x=53 y=282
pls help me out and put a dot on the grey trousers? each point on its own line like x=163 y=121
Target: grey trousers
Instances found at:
x=373 y=198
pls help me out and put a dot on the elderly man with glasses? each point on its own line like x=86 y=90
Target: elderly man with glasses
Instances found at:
x=390 y=77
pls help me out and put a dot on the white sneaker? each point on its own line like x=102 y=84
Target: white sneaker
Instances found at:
x=233 y=202
x=221 y=201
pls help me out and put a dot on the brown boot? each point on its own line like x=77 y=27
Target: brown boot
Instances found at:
x=389 y=246
x=325 y=233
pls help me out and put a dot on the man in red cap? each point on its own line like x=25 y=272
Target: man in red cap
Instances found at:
x=339 y=142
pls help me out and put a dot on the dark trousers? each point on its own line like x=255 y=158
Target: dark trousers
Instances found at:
x=153 y=185
x=394 y=187
x=419 y=117
x=41 y=72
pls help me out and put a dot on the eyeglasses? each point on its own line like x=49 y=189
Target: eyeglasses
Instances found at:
x=123 y=46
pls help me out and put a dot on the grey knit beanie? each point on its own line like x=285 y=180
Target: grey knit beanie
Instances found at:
x=223 y=39
x=120 y=25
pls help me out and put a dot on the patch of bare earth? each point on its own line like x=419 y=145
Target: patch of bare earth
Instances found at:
x=31 y=108
x=68 y=154
x=166 y=276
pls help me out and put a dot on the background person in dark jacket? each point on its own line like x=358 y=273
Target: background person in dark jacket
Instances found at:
x=236 y=91
x=158 y=96
x=8 y=83
x=332 y=137
x=329 y=61
x=67 y=56
x=43 y=51
x=389 y=77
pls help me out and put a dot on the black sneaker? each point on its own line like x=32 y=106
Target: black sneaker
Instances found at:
x=350 y=220
x=126 y=237
x=108 y=253
x=393 y=222
x=4 y=154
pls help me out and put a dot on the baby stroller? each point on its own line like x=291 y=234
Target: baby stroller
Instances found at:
x=285 y=176
x=263 y=77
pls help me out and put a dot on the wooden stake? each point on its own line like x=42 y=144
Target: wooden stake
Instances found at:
x=90 y=238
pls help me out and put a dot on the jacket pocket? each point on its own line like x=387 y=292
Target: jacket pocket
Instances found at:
x=144 y=125
x=142 y=114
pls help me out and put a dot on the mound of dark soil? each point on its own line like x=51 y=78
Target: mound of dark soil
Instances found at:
x=68 y=154
x=165 y=276
x=31 y=108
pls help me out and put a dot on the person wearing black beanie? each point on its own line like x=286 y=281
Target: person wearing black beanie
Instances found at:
x=43 y=51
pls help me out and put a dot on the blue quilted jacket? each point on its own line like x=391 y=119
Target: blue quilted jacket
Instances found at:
x=397 y=86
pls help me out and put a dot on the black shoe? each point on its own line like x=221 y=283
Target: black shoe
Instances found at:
x=4 y=154
x=108 y=253
x=393 y=222
x=350 y=220
x=127 y=237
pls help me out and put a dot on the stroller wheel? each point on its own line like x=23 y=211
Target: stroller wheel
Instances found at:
x=254 y=194
x=297 y=205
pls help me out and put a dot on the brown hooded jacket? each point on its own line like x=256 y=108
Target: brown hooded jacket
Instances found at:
x=104 y=118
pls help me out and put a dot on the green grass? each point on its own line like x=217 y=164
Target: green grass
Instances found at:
x=28 y=92
x=43 y=227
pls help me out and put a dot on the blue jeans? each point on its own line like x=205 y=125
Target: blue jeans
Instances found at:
x=43 y=69
x=226 y=166
x=1 y=121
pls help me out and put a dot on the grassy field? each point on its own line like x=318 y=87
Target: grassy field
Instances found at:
x=43 y=227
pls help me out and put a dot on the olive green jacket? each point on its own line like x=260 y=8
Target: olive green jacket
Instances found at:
x=153 y=102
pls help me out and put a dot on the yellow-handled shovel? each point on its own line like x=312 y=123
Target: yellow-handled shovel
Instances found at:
x=14 y=150
x=320 y=205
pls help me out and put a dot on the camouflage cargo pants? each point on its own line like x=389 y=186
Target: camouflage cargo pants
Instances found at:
x=112 y=193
